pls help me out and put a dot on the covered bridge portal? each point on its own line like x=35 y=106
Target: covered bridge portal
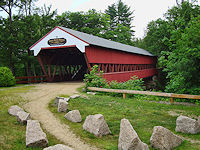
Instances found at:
x=66 y=54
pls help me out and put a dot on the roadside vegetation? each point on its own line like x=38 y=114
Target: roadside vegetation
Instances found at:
x=142 y=114
x=12 y=133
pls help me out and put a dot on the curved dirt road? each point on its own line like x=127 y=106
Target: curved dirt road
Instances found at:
x=39 y=98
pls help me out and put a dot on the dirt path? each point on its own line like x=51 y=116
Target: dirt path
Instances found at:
x=39 y=98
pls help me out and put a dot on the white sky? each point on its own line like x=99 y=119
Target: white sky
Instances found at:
x=144 y=10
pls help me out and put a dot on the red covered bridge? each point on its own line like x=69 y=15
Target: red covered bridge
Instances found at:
x=66 y=54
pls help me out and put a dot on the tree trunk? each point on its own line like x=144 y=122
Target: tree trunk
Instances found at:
x=10 y=48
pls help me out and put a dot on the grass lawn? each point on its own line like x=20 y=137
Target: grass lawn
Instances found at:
x=12 y=134
x=143 y=116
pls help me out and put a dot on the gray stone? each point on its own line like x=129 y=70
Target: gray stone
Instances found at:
x=84 y=96
x=73 y=116
x=66 y=99
x=74 y=96
x=83 y=90
x=22 y=117
x=187 y=125
x=13 y=110
x=56 y=101
x=128 y=138
x=198 y=120
x=96 y=125
x=164 y=139
x=91 y=93
x=58 y=147
x=35 y=137
x=62 y=106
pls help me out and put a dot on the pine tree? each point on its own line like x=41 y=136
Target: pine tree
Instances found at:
x=121 y=14
x=120 y=23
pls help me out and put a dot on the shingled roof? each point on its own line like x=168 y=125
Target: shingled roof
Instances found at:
x=97 y=41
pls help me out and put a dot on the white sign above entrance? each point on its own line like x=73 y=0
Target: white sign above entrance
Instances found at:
x=57 y=38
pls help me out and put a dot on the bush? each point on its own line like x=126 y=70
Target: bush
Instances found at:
x=133 y=84
x=6 y=77
x=95 y=78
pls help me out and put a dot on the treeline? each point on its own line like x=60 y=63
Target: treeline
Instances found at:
x=20 y=31
x=174 y=39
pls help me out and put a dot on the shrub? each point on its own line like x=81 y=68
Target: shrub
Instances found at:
x=95 y=78
x=133 y=84
x=6 y=77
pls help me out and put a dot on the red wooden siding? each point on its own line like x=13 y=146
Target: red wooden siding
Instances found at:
x=124 y=76
x=120 y=66
x=103 y=55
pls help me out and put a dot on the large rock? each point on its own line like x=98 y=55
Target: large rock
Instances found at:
x=35 y=137
x=13 y=110
x=62 y=106
x=164 y=139
x=91 y=93
x=56 y=101
x=58 y=147
x=73 y=116
x=74 y=96
x=187 y=125
x=22 y=117
x=128 y=138
x=96 y=124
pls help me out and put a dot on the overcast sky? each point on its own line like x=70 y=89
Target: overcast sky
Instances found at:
x=144 y=10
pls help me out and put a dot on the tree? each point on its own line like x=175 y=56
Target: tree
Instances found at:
x=183 y=63
x=120 y=24
x=7 y=6
x=121 y=14
x=91 y=22
x=175 y=40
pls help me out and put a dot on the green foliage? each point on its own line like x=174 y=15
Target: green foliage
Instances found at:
x=133 y=84
x=91 y=22
x=119 y=13
x=142 y=115
x=6 y=77
x=94 y=78
x=176 y=42
x=120 y=23
x=183 y=63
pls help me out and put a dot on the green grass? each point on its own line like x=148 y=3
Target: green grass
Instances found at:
x=143 y=116
x=12 y=134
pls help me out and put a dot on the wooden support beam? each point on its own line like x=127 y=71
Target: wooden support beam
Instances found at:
x=103 y=68
x=118 y=68
x=54 y=72
x=87 y=62
x=60 y=71
x=90 y=67
x=106 y=68
x=99 y=66
x=124 y=95
x=115 y=67
x=42 y=65
x=171 y=100
x=49 y=70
